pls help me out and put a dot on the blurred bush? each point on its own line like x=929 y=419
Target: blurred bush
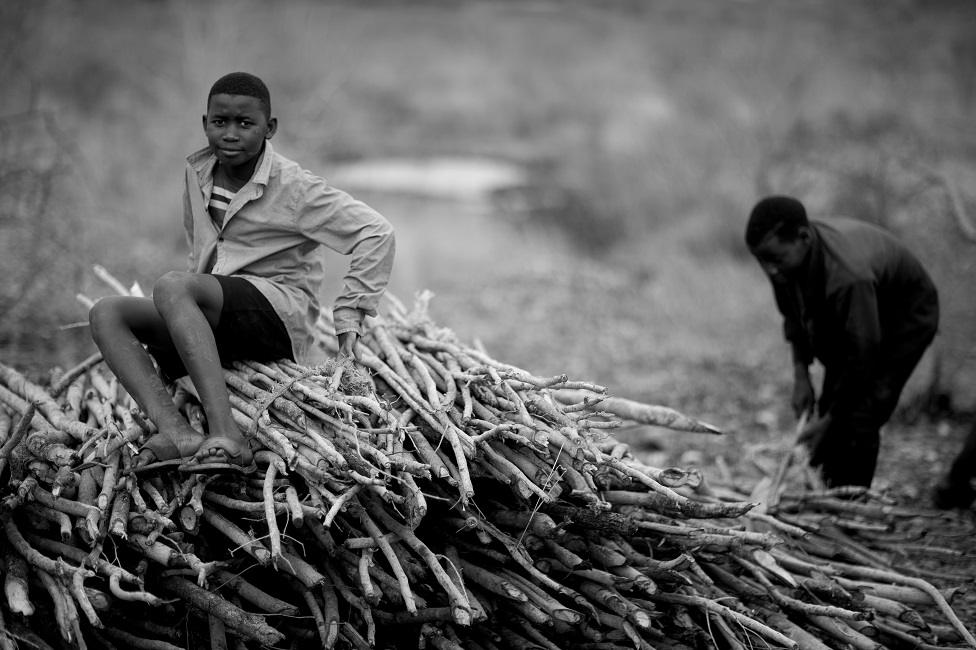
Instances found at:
x=44 y=237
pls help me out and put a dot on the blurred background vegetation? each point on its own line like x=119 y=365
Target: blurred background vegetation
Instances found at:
x=640 y=134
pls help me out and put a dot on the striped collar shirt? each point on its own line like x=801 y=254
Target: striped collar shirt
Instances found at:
x=220 y=199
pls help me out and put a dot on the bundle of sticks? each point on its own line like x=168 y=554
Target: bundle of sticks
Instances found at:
x=426 y=495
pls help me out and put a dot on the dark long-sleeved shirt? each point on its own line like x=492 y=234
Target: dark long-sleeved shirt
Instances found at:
x=861 y=296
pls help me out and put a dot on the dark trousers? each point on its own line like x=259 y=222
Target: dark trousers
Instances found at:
x=963 y=468
x=848 y=453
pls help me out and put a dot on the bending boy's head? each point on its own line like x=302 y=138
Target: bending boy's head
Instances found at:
x=782 y=216
x=242 y=83
x=778 y=235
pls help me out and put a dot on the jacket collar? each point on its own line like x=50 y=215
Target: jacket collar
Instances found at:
x=812 y=277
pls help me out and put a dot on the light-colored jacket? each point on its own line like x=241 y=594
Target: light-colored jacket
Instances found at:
x=272 y=234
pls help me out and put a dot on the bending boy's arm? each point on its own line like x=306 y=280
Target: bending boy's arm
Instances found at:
x=793 y=330
x=350 y=227
x=857 y=344
x=804 y=396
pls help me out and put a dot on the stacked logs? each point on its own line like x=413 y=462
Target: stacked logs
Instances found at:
x=426 y=496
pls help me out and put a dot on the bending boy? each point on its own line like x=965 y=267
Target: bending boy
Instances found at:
x=854 y=298
x=255 y=223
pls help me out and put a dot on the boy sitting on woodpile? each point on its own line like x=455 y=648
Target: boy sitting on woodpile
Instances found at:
x=255 y=223
x=856 y=299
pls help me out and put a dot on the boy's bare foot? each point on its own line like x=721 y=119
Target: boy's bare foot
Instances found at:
x=219 y=454
x=165 y=449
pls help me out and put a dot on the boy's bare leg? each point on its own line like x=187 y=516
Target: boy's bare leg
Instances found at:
x=190 y=305
x=120 y=326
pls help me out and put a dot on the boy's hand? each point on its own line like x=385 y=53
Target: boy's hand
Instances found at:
x=812 y=435
x=803 y=395
x=347 y=344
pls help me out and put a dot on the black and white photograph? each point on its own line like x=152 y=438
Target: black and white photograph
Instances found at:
x=488 y=324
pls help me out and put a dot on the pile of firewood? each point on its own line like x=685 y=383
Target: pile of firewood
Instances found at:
x=427 y=495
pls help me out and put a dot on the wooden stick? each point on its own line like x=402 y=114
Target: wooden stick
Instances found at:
x=733 y=616
x=247 y=625
x=458 y=600
x=23 y=426
x=64 y=614
x=15 y=584
x=252 y=594
x=241 y=539
x=274 y=535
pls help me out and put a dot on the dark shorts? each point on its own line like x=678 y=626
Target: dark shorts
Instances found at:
x=249 y=329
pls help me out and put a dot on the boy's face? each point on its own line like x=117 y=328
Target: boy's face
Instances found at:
x=783 y=258
x=236 y=127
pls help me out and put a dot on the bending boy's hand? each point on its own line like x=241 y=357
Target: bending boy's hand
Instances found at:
x=347 y=344
x=803 y=396
x=812 y=435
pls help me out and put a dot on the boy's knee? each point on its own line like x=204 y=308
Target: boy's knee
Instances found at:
x=104 y=316
x=170 y=287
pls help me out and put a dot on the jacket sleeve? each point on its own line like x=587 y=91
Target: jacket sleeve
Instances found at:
x=350 y=227
x=793 y=329
x=191 y=261
x=857 y=341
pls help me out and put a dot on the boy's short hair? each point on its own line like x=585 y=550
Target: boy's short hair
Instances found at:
x=782 y=215
x=242 y=83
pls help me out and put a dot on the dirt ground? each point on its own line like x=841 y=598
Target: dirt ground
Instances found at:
x=916 y=449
